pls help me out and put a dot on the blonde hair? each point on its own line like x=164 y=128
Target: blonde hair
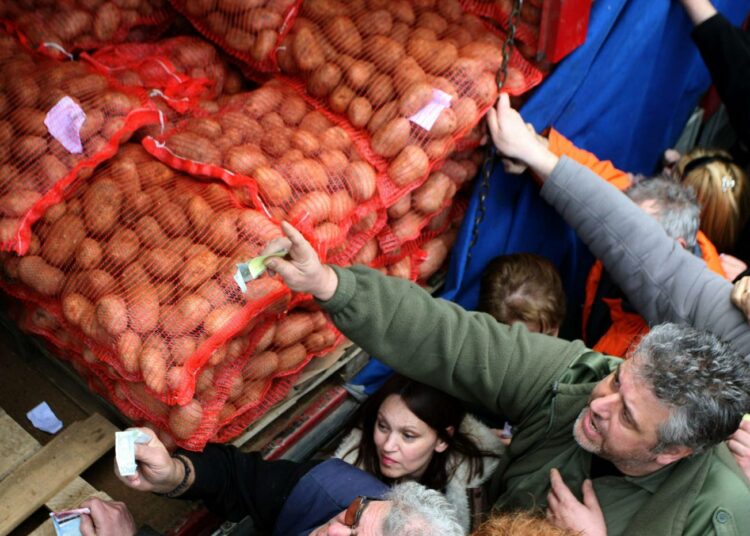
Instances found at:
x=722 y=190
x=520 y=523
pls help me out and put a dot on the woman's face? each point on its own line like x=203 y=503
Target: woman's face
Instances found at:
x=404 y=443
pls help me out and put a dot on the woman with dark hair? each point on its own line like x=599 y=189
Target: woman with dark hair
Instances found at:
x=415 y=432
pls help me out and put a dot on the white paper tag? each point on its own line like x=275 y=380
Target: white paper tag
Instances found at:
x=64 y=122
x=125 y=450
x=427 y=116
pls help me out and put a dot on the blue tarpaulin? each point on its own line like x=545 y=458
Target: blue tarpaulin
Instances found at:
x=624 y=95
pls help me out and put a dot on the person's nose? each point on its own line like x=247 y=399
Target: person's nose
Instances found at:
x=338 y=529
x=391 y=443
x=605 y=406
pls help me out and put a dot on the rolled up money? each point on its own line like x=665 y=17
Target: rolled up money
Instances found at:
x=253 y=269
x=125 y=450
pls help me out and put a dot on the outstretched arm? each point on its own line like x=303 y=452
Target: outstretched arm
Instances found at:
x=698 y=10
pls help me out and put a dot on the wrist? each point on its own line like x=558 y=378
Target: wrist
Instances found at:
x=542 y=163
x=330 y=282
x=699 y=10
x=180 y=477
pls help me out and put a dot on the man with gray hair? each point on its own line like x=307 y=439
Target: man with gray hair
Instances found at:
x=314 y=498
x=643 y=452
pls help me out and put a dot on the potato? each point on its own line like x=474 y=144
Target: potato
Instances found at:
x=199 y=213
x=213 y=292
x=291 y=156
x=129 y=346
x=360 y=180
x=273 y=187
x=239 y=39
x=429 y=197
x=276 y=141
x=375 y=22
x=344 y=35
x=401 y=269
x=489 y=55
x=260 y=366
x=434 y=21
x=402 y=11
x=18 y=202
x=308 y=174
x=382 y=116
x=111 y=313
x=292 y=329
x=306 y=142
x=410 y=165
x=186 y=315
x=161 y=263
x=198 y=269
x=400 y=207
x=389 y=140
x=153 y=173
x=272 y=120
x=342 y=205
x=190 y=146
x=74 y=307
x=30 y=148
x=359 y=112
x=221 y=233
x=486 y=89
x=208 y=128
x=184 y=421
x=254 y=225
x=333 y=161
x=415 y=98
x=328 y=234
x=89 y=254
x=102 y=204
x=384 y=52
x=437 y=148
x=143 y=308
x=252 y=393
x=293 y=110
x=94 y=284
x=106 y=22
x=320 y=340
x=311 y=208
x=40 y=276
x=220 y=317
x=122 y=247
x=315 y=122
x=265 y=41
x=466 y=112
x=291 y=357
x=150 y=232
x=22 y=90
x=368 y=253
x=446 y=124
x=306 y=50
x=322 y=80
x=63 y=239
x=436 y=252
x=450 y=9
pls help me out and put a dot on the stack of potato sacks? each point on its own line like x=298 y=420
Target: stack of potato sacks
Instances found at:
x=125 y=252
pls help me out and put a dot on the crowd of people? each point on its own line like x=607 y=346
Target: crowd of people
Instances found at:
x=637 y=429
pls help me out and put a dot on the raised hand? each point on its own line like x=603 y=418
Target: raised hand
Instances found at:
x=566 y=511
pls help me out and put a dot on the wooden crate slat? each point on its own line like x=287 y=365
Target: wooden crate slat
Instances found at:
x=16 y=444
x=51 y=469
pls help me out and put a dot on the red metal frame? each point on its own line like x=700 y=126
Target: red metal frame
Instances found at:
x=562 y=28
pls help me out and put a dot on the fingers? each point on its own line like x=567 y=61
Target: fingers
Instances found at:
x=558 y=487
x=87 y=526
x=277 y=244
x=589 y=495
x=492 y=122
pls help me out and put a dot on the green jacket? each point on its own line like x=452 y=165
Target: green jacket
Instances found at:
x=541 y=383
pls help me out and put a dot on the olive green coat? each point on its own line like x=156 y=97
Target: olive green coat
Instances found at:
x=541 y=383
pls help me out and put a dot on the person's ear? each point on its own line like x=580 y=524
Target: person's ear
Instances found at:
x=672 y=454
x=553 y=332
x=441 y=445
x=682 y=242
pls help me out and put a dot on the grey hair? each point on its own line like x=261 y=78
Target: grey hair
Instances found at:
x=419 y=511
x=704 y=382
x=679 y=211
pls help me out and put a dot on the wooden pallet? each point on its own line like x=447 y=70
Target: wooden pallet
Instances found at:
x=32 y=476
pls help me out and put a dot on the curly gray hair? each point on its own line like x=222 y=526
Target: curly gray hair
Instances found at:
x=419 y=511
x=678 y=208
x=705 y=383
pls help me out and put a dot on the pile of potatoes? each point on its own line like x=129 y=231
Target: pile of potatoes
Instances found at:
x=306 y=170
x=378 y=62
x=32 y=162
x=249 y=30
x=82 y=24
x=183 y=68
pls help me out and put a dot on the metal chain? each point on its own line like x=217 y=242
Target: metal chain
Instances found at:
x=489 y=161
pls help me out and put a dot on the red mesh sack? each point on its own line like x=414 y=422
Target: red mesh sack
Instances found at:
x=250 y=31
x=410 y=77
x=140 y=263
x=360 y=233
x=182 y=70
x=58 y=29
x=297 y=165
x=60 y=119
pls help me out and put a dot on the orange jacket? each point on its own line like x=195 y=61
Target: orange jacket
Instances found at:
x=627 y=328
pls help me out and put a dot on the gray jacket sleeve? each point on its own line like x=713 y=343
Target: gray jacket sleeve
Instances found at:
x=661 y=280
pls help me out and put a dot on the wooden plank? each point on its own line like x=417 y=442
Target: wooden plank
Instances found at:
x=16 y=444
x=72 y=495
x=51 y=469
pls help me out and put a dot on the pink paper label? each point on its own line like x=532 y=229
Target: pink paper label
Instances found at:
x=427 y=116
x=64 y=122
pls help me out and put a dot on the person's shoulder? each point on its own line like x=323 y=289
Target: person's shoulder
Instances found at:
x=348 y=449
x=725 y=495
